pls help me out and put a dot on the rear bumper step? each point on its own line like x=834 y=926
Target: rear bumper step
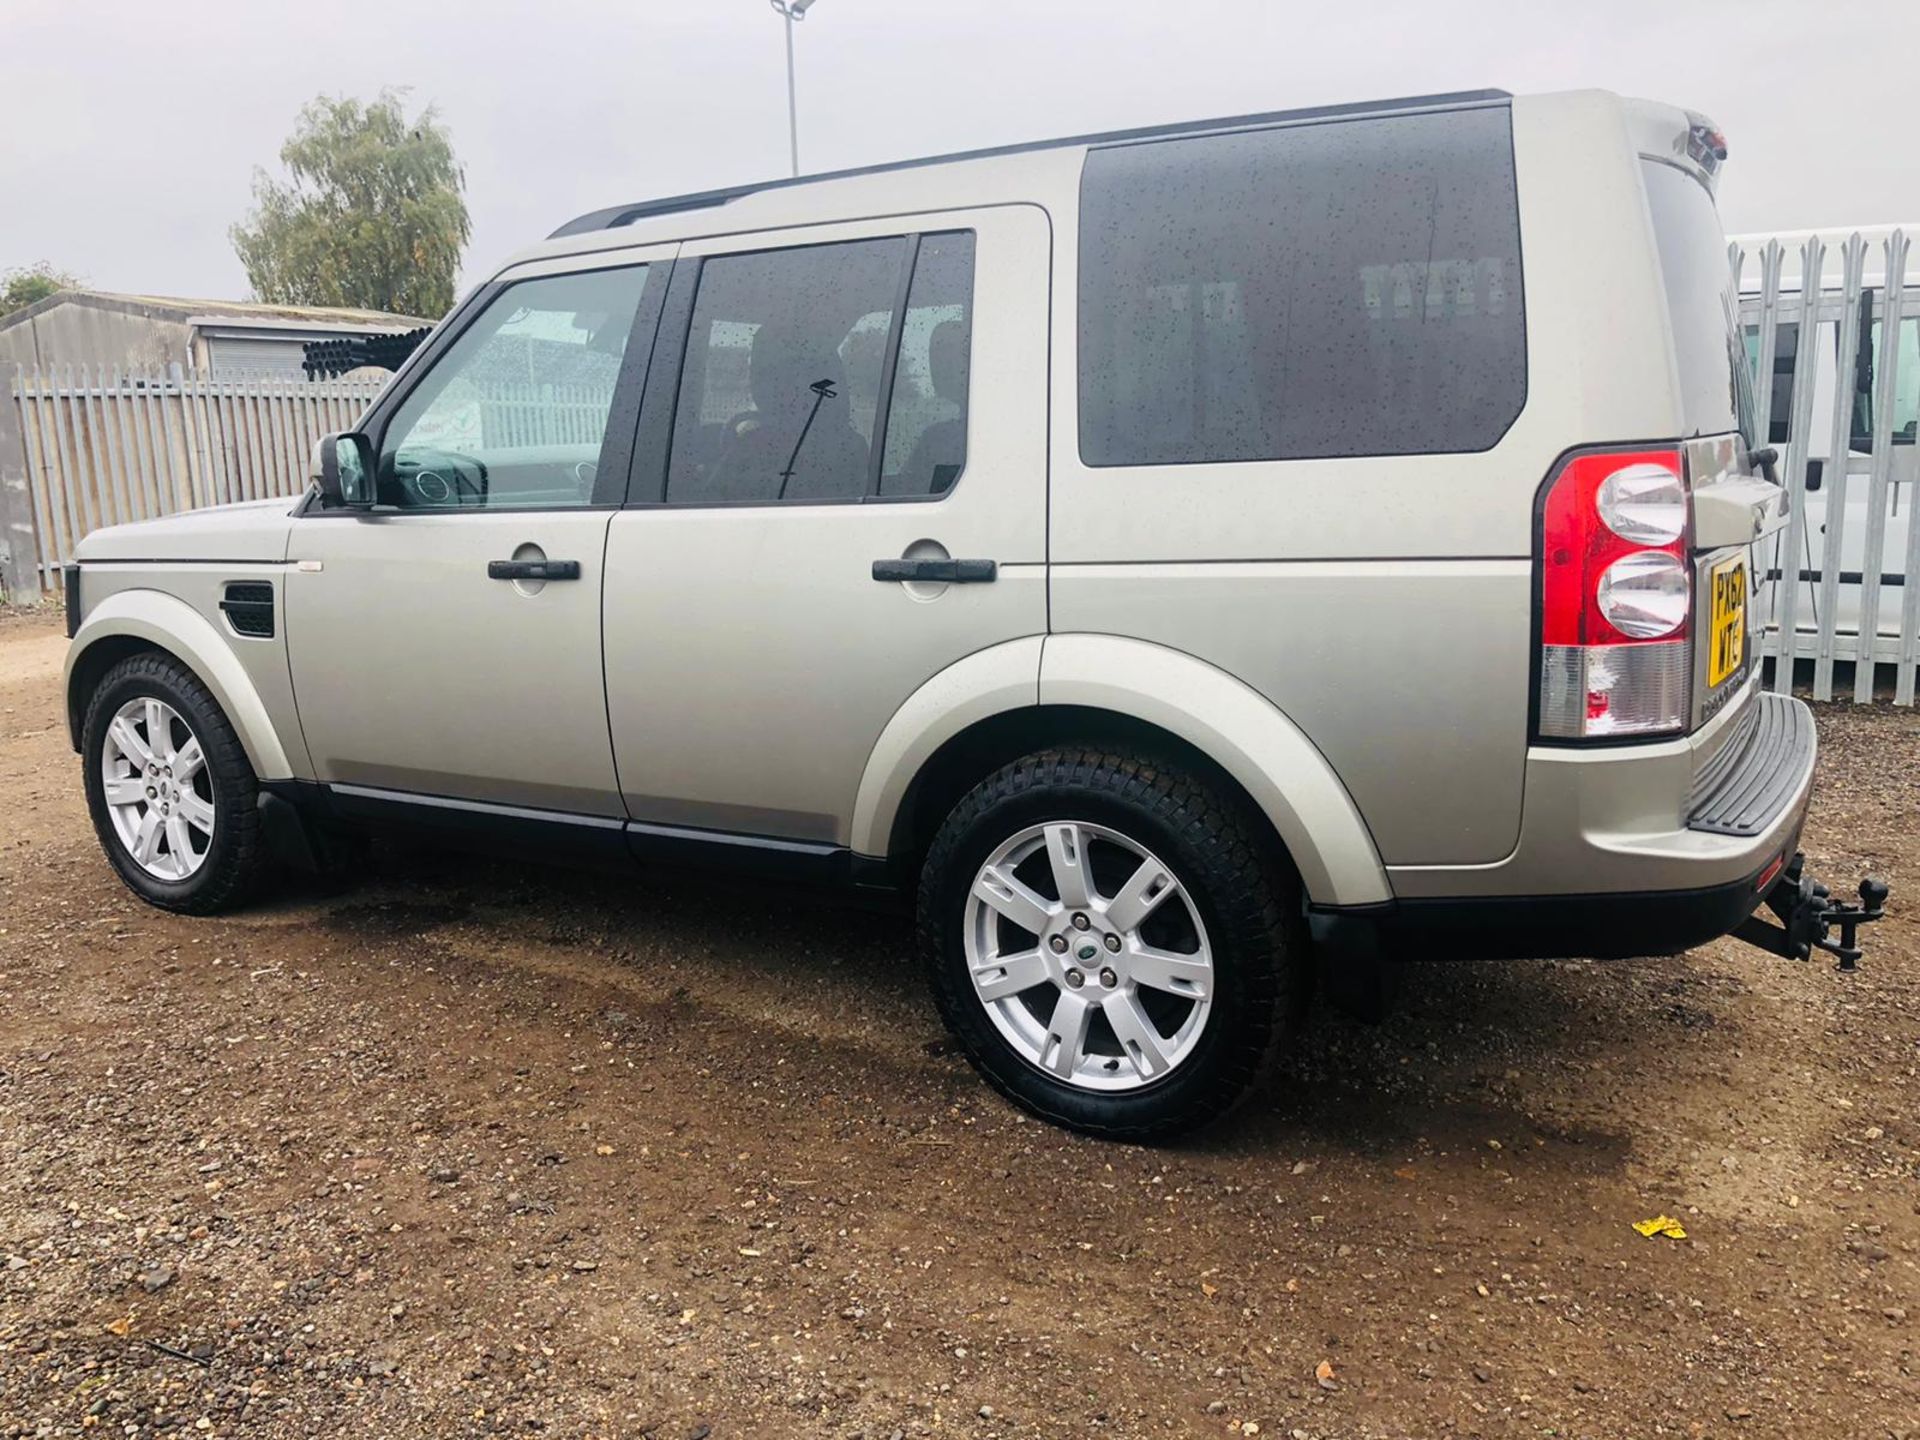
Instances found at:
x=1742 y=790
x=1808 y=916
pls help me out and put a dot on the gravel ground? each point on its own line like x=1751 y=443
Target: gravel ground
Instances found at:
x=479 y=1148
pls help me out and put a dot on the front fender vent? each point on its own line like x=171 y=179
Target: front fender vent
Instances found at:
x=249 y=608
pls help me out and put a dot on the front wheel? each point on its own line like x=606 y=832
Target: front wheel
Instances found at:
x=173 y=798
x=1112 y=942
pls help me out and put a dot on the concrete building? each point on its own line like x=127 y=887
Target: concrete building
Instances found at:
x=226 y=338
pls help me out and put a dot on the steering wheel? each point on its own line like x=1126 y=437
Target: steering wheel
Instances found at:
x=443 y=478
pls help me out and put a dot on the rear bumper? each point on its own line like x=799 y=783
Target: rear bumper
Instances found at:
x=1622 y=819
x=1513 y=927
x=1631 y=851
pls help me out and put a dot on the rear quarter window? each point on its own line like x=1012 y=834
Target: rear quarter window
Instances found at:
x=1344 y=288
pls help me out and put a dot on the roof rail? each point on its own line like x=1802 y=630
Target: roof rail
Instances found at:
x=617 y=215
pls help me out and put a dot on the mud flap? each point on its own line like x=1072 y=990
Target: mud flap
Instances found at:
x=1352 y=971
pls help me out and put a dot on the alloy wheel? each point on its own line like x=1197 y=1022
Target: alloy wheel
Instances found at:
x=1089 y=955
x=158 y=789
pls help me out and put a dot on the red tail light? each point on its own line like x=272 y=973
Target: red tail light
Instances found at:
x=1615 y=596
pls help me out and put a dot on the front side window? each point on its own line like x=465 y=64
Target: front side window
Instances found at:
x=513 y=414
x=1344 y=288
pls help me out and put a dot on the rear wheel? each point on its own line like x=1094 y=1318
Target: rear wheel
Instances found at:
x=172 y=796
x=1111 y=942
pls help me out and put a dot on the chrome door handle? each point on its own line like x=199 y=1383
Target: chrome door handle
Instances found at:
x=937 y=572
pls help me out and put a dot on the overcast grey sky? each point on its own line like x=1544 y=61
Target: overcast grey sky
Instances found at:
x=134 y=127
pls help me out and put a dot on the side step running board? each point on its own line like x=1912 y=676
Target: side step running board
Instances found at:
x=1807 y=914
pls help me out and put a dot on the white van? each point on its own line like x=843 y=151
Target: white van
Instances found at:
x=1857 y=321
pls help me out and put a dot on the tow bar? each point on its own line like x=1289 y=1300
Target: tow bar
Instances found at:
x=1808 y=912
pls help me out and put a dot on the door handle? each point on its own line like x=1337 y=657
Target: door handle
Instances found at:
x=533 y=569
x=937 y=572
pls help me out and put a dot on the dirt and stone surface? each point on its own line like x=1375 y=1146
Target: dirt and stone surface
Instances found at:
x=480 y=1148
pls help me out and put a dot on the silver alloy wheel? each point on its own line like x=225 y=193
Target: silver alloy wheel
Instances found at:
x=1071 y=981
x=158 y=790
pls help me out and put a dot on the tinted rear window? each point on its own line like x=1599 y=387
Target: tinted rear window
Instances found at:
x=1716 y=387
x=1350 y=288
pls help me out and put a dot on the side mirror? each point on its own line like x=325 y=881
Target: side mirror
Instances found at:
x=343 y=464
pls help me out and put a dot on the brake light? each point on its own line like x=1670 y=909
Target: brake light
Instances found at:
x=1706 y=143
x=1615 y=596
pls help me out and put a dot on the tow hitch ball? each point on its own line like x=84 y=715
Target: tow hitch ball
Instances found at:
x=1808 y=913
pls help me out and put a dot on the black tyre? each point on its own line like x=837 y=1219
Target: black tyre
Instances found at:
x=1113 y=942
x=173 y=798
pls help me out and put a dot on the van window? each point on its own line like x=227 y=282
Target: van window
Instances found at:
x=1786 y=345
x=1344 y=288
x=782 y=370
x=1906 y=382
x=1863 y=377
x=1716 y=379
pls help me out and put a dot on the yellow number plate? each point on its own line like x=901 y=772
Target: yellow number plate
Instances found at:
x=1727 y=627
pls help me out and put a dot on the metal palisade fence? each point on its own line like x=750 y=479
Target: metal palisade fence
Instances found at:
x=80 y=449
x=1832 y=330
x=107 y=446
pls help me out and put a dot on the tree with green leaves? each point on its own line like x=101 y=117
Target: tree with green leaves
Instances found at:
x=372 y=215
x=22 y=286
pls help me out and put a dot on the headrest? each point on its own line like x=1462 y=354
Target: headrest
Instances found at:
x=947 y=360
x=786 y=360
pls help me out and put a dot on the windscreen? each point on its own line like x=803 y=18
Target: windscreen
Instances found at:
x=1716 y=387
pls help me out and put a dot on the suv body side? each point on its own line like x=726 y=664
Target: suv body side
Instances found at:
x=1307 y=625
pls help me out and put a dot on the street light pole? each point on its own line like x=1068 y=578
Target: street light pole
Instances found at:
x=790 y=11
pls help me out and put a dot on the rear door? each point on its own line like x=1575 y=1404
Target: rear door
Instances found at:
x=831 y=409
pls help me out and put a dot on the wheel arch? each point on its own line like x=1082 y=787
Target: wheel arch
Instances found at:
x=131 y=622
x=1006 y=702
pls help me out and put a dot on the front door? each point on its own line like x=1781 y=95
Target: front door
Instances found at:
x=846 y=395
x=447 y=642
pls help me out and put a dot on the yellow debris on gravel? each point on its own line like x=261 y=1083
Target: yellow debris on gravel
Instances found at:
x=1661 y=1225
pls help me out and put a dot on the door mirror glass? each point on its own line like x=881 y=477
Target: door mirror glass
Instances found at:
x=346 y=471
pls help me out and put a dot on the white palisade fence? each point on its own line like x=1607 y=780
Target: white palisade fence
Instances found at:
x=106 y=446
x=1832 y=327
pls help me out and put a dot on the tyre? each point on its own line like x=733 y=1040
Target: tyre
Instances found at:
x=1112 y=942
x=173 y=798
